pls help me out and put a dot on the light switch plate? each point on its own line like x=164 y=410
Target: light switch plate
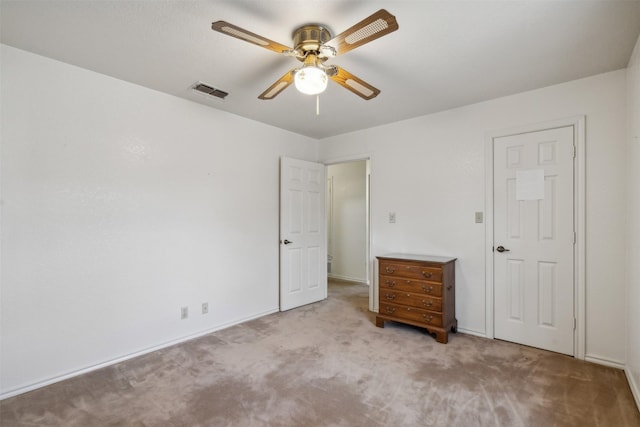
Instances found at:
x=392 y=217
x=479 y=218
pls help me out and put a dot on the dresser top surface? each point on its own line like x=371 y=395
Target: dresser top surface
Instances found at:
x=417 y=257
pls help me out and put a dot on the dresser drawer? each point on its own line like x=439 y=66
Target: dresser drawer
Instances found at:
x=412 y=286
x=411 y=313
x=414 y=300
x=412 y=271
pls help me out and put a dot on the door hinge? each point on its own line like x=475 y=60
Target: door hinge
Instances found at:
x=574 y=151
x=575 y=323
x=575 y=237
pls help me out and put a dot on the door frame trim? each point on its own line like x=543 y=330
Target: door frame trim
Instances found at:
x=579 y=253
x=370 y=267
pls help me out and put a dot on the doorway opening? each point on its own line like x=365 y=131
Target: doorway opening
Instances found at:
x=348 y=242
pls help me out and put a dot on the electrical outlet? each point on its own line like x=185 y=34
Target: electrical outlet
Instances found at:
x=392 y=217
x=184 y=312
x=205 y=307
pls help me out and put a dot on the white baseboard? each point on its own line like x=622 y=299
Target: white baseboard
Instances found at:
x=472 y=332
x=39 y=384
x=635 y=387
x=346 y=278
x=604 y=361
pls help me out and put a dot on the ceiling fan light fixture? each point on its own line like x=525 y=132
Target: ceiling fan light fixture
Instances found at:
x=311 y=80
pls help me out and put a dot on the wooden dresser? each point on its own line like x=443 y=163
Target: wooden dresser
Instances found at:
x=418 y=290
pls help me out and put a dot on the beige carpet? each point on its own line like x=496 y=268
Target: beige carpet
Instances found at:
x=327 y=364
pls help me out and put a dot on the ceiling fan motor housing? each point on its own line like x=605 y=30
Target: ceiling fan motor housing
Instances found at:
x=309 y=38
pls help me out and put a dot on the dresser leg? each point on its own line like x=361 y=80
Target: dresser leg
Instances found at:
x=442 y=337
x=379 y=322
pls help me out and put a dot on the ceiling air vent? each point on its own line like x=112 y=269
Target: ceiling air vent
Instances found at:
x=209 y=90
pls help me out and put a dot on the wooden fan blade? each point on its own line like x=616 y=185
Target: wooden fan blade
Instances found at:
x=354 y=84
x=280 y=85
x=242 y=34
x=369 y=29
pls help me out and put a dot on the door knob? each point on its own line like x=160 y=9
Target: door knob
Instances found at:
x=502 y=249
x=286 y=242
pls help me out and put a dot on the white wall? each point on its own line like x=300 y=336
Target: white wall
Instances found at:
x=633 y=227
x=120 y=205
x=347 y=220
x=431 y=171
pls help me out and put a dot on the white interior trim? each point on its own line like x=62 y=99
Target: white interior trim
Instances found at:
x=605 y=361
x=488 y=227
x=635 y=387
x=578 y=124
x=345 y=278
x=472 y=332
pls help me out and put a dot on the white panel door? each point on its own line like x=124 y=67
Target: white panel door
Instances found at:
x=534 y=239
x=303 y=247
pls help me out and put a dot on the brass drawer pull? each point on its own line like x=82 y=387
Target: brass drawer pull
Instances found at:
x=390 y=270
x=427 y=319
x=390 y=296
x=428 y=275
x=391 y=309
x=427 y=290
x=427 y=303
x=390 y=283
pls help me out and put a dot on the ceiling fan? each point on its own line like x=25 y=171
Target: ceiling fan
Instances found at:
x=313 y=45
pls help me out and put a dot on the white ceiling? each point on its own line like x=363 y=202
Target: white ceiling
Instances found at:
x=446 y=53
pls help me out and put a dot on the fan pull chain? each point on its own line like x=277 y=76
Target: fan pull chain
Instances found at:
x=317 y=105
